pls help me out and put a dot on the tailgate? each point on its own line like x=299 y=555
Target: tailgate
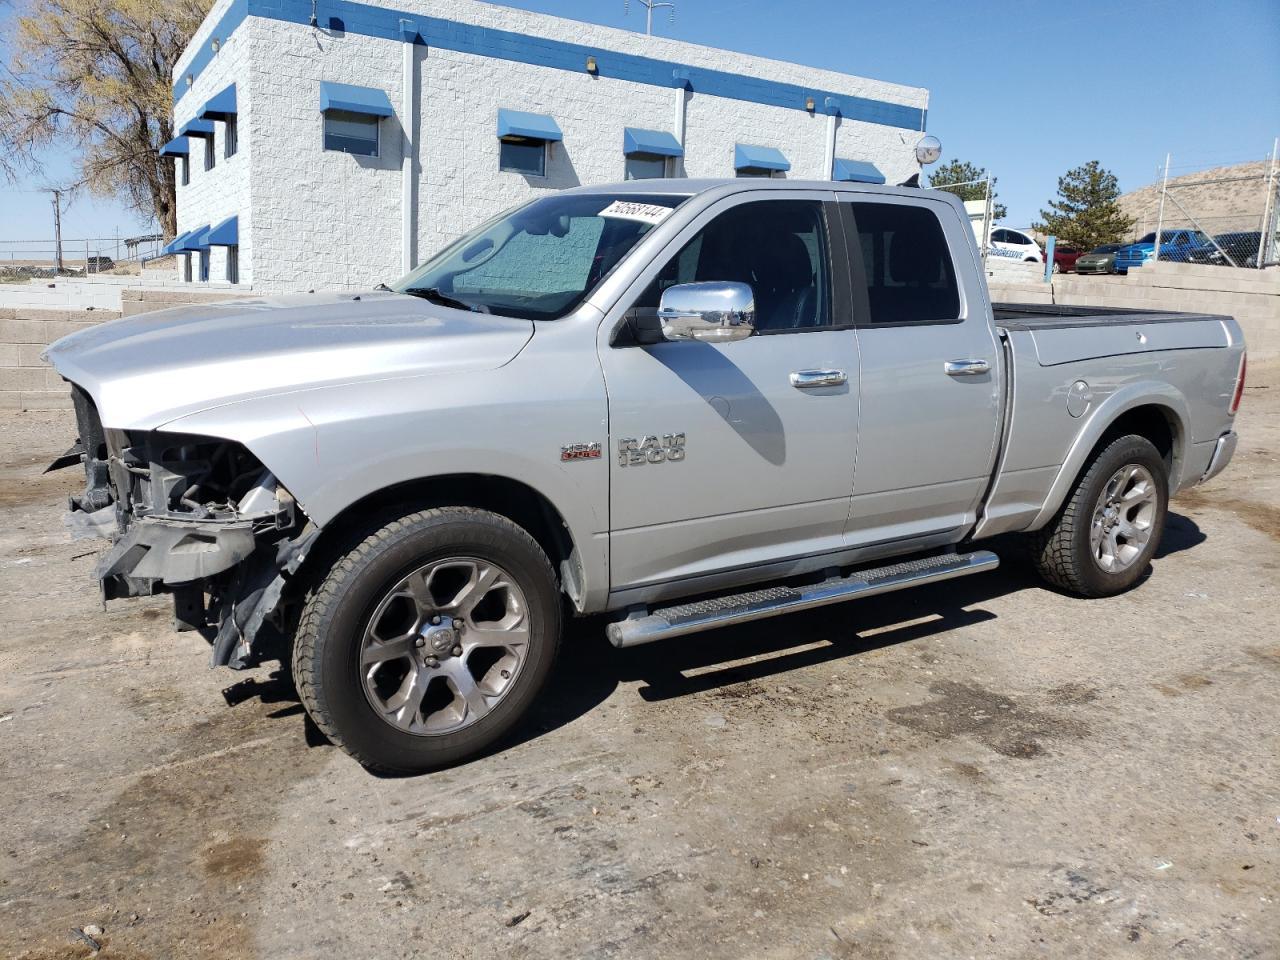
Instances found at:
x=1067 y=344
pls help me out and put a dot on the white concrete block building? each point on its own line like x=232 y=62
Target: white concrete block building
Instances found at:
x=335 y=144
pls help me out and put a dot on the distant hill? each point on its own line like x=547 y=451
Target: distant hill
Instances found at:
x=1216 y=207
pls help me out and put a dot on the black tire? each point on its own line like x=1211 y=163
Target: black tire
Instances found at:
x=326 y=652
x=1062 y=551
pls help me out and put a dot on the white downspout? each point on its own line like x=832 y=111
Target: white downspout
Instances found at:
x=408 y=117
x=833 y=121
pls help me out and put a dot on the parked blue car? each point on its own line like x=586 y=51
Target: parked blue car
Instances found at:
x=1174 y=246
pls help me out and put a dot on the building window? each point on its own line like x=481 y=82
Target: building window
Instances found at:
x=186 y=170
x=523 y=156
x=233 y=264
x=229 y=144
x=759 y=172
x=208 y=153
x=186 y=268
x=642 y=167
x=355 y=133
x=204 y=266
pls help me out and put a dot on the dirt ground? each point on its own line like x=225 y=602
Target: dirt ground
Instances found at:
x=982 y=768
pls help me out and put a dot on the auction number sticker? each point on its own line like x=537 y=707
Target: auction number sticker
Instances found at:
x=653 y=213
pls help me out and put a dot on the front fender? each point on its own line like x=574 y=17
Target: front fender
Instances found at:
x=332 y=447
x=1142 y=393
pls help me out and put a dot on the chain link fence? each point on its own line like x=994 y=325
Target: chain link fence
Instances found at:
x=1223 y=216
x=84 y=256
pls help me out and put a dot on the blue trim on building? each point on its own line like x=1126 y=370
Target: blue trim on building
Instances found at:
x=652 y=143
x=385 y=23
x=529 y=126
x=177 y=147
x=857 y=171
x=225 y=234
x=221 y=106
x=227 y=24
x=346 y=96
x=747 y=156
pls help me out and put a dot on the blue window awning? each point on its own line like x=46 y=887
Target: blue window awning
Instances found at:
x=177 y=147
x=857 y=171
x=197 y=128
x=749 y=157
x=191 y=242
x=653 y=143
x=176 y=244
x=527 y=126
x=370 y=101
x=222 y=107
x=225 y=234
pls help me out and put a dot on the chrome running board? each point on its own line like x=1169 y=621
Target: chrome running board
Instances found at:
x=694 y=617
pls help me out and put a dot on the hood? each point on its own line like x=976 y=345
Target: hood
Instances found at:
x=146 y=370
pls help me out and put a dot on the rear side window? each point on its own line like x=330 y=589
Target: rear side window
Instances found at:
x=906 y=265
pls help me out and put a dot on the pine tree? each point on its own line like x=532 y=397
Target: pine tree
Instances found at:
x=960 y=171
x=1086 y=212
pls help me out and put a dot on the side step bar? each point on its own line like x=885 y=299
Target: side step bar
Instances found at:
x=687 y=618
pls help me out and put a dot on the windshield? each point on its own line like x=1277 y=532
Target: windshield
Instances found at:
x=540 y=260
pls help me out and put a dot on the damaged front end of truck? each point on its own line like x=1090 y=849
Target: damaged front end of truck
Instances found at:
x=196 y=517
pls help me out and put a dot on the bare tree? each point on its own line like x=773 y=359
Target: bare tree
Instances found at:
x=96 y=76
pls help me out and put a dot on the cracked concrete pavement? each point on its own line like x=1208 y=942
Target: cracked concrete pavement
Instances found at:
x=981 y=768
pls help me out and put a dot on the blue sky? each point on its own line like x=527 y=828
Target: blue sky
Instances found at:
x=1026 y=89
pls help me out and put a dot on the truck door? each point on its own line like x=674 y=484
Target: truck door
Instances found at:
x=929 y=382
x=729 y=456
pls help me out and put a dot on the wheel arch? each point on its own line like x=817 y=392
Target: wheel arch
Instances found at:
x=520 y=503
x=1154 y=411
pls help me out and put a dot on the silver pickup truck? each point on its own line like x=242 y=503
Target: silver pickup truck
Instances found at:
x=682 y=403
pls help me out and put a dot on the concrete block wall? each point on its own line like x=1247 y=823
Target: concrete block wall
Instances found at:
x=213 y=195
x=26 y=381
x=1251 y=296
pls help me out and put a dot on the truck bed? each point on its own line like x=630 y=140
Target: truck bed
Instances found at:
x=1051 y=316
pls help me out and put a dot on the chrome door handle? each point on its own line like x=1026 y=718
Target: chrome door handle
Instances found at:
x=966 y=368
x=808 y=379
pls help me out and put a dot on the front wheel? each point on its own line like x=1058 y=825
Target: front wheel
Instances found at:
x=428 y=641
x=1102 y=539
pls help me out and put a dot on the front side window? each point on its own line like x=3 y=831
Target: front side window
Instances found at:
x=354 y=133
x=542 y=259
x=523 y=156
x=906 y=264
x=778 y=247
x=641 y=167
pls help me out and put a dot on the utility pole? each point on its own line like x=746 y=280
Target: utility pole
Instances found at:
x=1164 y=189
x=57 y=228
x=1266 y=237
x=649 y=6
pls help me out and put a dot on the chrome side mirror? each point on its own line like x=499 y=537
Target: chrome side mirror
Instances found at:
x=715 y=312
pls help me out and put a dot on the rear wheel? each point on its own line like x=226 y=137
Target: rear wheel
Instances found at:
x=427 y=642
x=1104 y=536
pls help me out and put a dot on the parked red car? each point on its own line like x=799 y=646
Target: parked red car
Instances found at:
x=1064 y=259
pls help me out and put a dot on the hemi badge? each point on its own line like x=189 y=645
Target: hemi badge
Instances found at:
x=579 y=451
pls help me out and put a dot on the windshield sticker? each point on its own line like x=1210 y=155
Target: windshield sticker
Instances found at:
x=653 y=213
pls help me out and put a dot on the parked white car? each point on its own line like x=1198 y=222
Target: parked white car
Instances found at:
x=1015 y=245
